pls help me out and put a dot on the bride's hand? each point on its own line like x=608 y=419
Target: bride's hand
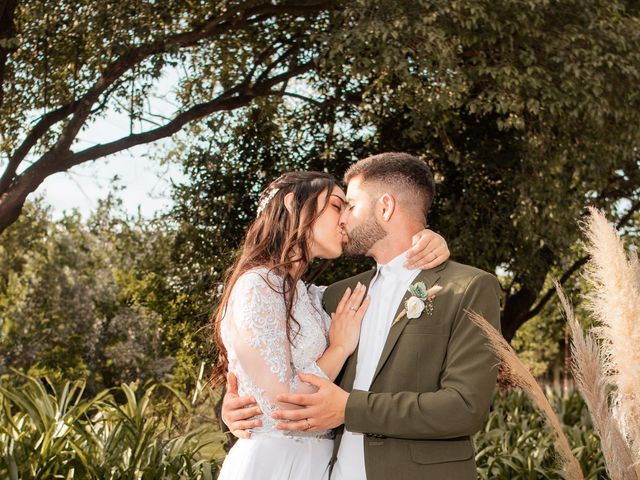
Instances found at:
x=429 y=250
x=345 y=322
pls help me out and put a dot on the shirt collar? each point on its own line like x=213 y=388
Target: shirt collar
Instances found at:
x=396 y=269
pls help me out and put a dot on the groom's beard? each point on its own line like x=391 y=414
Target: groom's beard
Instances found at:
x=363 y=237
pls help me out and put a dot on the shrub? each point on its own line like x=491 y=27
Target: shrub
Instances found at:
x=50 y=431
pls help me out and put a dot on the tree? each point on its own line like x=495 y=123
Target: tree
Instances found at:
x=84 y=301
x=65 y=64
x=525 y=109
x=524 y=114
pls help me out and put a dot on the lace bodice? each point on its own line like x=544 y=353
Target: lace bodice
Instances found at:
x=254 y=333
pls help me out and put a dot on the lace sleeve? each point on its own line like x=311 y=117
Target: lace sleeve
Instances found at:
x=260 y=341
x=315 y=294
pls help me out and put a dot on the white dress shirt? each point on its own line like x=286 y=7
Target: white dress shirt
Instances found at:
x=387 y=288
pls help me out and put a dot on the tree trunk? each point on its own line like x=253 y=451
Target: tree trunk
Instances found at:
x=10 y=209
x=12 y=199
x=516 y=311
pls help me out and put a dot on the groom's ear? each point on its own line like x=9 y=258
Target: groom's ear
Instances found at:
x=388 y=206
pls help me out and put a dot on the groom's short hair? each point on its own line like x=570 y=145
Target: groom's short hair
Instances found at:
x=402 y=172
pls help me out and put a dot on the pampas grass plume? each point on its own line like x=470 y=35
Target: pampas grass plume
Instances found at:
x=615 y=302
x=522 y=377
x=592 y=383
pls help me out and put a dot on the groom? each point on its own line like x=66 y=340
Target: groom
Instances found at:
x=421 y=382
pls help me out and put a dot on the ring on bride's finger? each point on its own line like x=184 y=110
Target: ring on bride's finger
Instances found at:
x=353 y=308
x=308 y=424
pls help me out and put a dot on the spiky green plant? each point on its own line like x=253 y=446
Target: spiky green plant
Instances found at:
x=51 y=432
x=515 y=443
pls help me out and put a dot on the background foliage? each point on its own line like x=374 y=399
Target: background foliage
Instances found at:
x=526 y=112
x=522 y=109
x=48 y=430
x=93 y=300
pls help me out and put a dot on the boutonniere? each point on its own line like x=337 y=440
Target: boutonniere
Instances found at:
x=420 y=299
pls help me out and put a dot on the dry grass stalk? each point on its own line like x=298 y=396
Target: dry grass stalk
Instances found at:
x=592 y=383
x=521 y=376
x=615 y=303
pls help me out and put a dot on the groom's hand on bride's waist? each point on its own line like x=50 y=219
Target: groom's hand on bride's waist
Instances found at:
x=320 y=411
x=237 y=411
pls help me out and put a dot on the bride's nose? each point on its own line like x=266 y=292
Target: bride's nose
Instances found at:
x=343 y=218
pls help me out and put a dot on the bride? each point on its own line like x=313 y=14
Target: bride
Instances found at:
x=271 y=326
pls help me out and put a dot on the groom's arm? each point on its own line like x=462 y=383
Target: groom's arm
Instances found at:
x=460 y=406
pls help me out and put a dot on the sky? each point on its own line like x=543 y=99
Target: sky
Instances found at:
x=146 y=183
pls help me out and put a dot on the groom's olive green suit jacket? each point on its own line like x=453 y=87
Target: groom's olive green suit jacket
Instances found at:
x=433 y=384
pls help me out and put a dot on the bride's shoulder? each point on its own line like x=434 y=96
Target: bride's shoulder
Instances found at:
x=259 y=277
x=256 y=293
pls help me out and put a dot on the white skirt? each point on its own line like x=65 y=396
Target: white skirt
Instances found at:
x=278 y=458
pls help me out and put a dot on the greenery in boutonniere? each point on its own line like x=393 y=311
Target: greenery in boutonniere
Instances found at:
x=420 y=299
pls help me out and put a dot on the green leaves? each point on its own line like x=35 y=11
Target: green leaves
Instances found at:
x=39 y=424
x=83 y=300
x=419 y=290
x=514 y=444
x=50 y=431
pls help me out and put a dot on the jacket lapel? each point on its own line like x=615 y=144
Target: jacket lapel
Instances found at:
x=367 y=279
x=430 y=278
x=352 y=362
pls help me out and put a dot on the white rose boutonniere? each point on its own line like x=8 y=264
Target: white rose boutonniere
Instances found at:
x=415 y=306
x=420 y=299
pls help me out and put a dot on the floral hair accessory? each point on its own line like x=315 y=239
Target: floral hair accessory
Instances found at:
x=266 y=198
x=415 y=305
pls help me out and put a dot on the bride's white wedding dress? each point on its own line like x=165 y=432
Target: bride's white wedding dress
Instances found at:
x=254 y=333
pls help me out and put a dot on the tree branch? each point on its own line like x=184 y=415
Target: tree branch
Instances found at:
x=42 y=125
x=222 y=102
x=551 y=292
x=627 y=216
x=289 y=51
x=263 y=56
x=60 y=157
x=319 y=103
x=216 y=26
x=46 y=122
x=238 y=18
x=313 y=101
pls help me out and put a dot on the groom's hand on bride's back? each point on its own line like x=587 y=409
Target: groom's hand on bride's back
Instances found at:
x=319 y=411
x=237 y=411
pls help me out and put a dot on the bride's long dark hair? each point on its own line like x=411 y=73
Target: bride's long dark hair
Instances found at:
x=277 y=239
